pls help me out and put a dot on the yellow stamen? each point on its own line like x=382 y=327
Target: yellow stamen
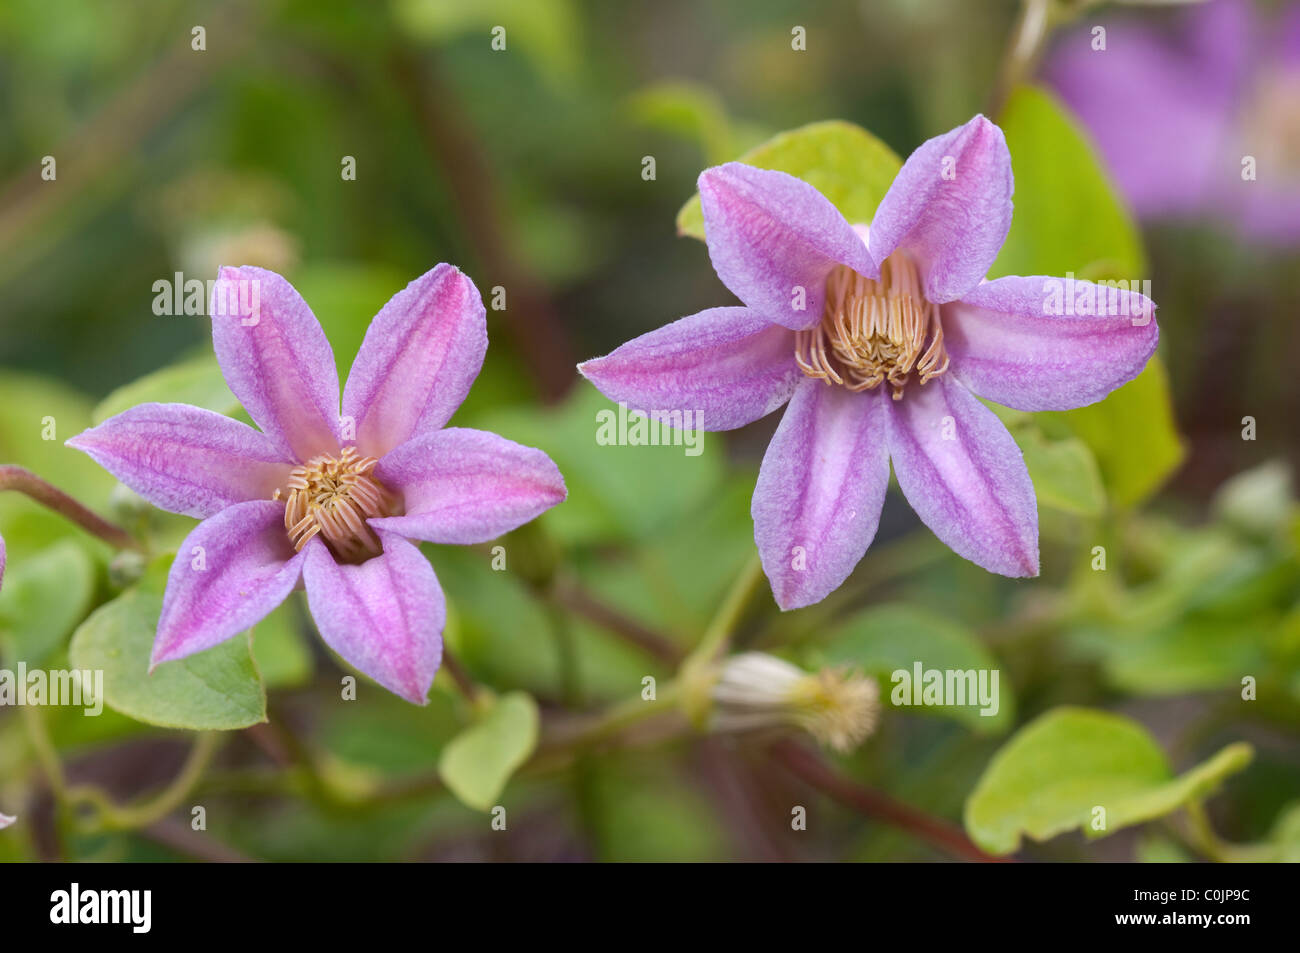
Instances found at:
x=874 y=330
x=333 y=497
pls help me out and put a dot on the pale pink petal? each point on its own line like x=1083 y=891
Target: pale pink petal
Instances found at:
x=949 y=208
x=421 y=354
x=184 y=459
x=276 y=359
x=965 y=476
x=820 y=490
x=229 y=573
x=726 y=367
x=773 y=240
x=384 y=617
x=467 y=486
x=1009 y=342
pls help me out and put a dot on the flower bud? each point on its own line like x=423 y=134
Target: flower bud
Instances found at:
x=836 y=706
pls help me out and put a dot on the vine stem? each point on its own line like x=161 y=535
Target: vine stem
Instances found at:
x=572 y=597
x=814 y=771
x=111 y=815
x=1204 y=839
x=464 y=684
x=134 y=816
x=17 y=478
x=1032 y=28
x=715 y=637
x=696 y=675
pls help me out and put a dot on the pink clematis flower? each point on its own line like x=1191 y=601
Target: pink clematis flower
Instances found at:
x=879 y=339
x=323 y=500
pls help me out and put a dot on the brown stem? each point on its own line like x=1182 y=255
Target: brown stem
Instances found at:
x=113 y=135
x=581 y=603
x=1031 y=30
x=532 y=323
x=808 y=766
x=24 y=481
x=464 y=683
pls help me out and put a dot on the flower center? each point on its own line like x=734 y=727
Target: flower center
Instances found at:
x=333 y=497
x=874 y=330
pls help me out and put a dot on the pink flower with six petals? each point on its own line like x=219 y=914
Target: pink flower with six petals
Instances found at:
x=325 y=500
x=880 y=338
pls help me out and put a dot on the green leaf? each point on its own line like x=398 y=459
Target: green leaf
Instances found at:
x=1056 y=771
x=689 y=110
x=43 y=598
x=844 y=162
x=196 y=381
x=283 y=659
x=36 y=417
x=1257 y=502
x=1068 y=217
x=1064 y=472
x=345 y=296
x=548 y=31
x=215 y=690
x=1068 y=220
x=889 y=639
x=1192 y=655
x=615 y=491
x=1133 y=435
x=1285 y=835
x=479 y=761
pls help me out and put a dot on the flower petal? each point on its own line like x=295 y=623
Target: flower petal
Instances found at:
x=725 y=366
x=950 y=207
x=384 y=617
x=820 y=489
x=770 y=234
x=965 y=476
x=467 y=486
x=184 y=459
x=421 y=354
x=230 y=572
x=276 y=359
x=1009 y=341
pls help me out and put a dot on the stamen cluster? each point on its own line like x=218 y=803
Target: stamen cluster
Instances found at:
x=874 y=330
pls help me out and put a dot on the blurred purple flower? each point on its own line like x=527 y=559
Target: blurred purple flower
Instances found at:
x=327 y=500
x=1175 y=112
x=834 y=312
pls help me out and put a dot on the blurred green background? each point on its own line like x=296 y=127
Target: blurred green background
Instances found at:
x=524 y=168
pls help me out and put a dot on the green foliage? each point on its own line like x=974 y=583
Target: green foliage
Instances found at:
x=1068 y=218
x=282 y=655
x=1133 y=435
x=43 y=599
x=548 y=31
x=196 y=381
x=847 y=164
x=477 y=763
x=215 y=690
x=889 y=638
x=1057 y=771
